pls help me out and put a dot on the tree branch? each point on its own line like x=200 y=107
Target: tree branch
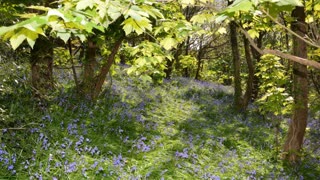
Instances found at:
x=290 y=57
x=291 y=32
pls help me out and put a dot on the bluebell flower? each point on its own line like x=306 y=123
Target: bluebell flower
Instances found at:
x=4 y=131
x=63 y=154
x=95 y=150
x=133 y=168
x=58 y=164
x=83 y=171
x=72 y=167
x=10 y=167
x=118 y=161
x=95 y=164
x=183 y=154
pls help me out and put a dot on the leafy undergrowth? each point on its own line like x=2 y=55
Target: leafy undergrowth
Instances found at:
x=182 y=129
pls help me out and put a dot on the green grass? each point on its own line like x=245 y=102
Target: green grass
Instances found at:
x=182 y=129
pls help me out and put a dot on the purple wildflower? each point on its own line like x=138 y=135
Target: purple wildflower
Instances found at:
x=72 y=167
x=118 y=161
x=183 y=154
x=95 y=164
x=10 y=167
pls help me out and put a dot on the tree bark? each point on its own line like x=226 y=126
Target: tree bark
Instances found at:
x=100 y=78
x=236 y=67
x=186 y=70
x=298 y=123
x=248 y=94
x=257 y=56
x=41 y=67
x=169 y=68
x=199 y=61
x=90 y=64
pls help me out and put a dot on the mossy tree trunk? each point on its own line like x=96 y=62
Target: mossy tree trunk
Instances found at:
x=257 y=57
x=95 y=74
x=238 y=101
x=249 y=89
x=89 y=66
x=199 y=59
x=297 y=127
x=41 y=67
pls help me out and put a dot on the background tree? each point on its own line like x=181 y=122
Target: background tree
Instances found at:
x=298 y=124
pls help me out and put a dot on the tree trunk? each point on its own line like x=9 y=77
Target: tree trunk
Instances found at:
x=248 y=93
x=90 y=64
x=169 y=68
x=186 y=70
x=100 y=78
x=41 y=67
x=236 y=67
x=199 y=61
x=298 y=123
x=257 y=57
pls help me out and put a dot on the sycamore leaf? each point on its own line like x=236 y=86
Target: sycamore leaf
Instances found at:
x=146 y=78
x=222 y=30
x=114 y=12
x=130 y=25
x=40 y=8
x=55 y=12
x=83 y=4
x=141 y=61
x=168 y=43
x=287 y=2
x=240 y=5
x=253 y=33
x=133 y=14
x=186 y=3
x=64 y=36
x=155 y=13
x=82 y=37
x=317 y=7
x=31 y=42
x=16 y=40
x=201 y=18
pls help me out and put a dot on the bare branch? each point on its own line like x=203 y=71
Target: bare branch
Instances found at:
x=290 y=57
x=311 y=43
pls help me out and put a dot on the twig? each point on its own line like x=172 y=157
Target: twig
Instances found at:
x=18 y=128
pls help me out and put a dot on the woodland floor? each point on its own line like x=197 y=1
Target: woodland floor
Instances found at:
x=182 y=129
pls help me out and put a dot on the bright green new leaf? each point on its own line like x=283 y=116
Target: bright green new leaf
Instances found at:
x=222 y=30
x=55 y=12
x=168 y=43
x=83 y=4
x=201 y=18
x=64 y=35
x=16 y=40
x=40 y=8
x=130 y=25
x=114 y=12
x=287 y=2
x=24 y=34
x=253 y=33
x=186 y=3
x=134 y=14
x=31 y=42
x=240 y=5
